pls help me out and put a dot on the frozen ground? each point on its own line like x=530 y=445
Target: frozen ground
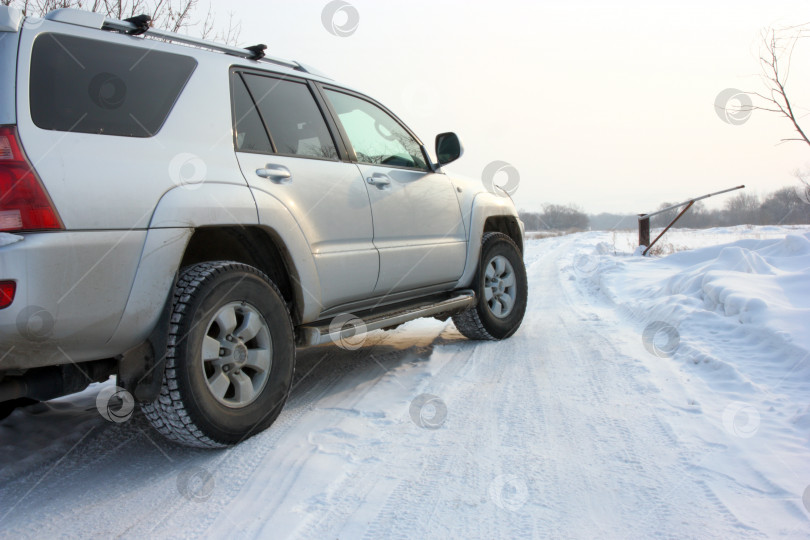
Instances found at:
x=642 y=397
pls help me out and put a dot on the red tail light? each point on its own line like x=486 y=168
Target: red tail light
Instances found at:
x=7 y=290
x=24 y=204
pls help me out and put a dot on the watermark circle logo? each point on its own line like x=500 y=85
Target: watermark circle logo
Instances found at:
x=661 y=339
x=187 y=170
x=806 y=498
x=35 y=323
x=497 y=168
x=733 y=106
x=32 y=23
x=428 y=411
x=347 y=331
x=196 y=484
x=107 y=90
x=115 y=404
x=340 y=18
x=741 y=420
x=509 y=492
x=585 y=265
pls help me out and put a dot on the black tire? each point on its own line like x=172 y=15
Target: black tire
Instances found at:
x=480 y=322
x=187 y=410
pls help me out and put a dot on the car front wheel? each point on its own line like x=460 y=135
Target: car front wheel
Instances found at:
x=501 y=289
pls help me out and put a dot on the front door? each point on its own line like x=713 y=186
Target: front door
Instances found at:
x=418 y=228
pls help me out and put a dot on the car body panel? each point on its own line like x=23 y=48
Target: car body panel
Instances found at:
x=158 y=263
x=277 y=218
x=417 y=229
x=330 y=204
x=72 y=288
x=204 y=205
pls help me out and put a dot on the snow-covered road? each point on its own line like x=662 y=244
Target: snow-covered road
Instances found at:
x=571 y=428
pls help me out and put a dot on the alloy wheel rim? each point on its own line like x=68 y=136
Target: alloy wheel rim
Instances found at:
x=500 y=286
x=236 y=354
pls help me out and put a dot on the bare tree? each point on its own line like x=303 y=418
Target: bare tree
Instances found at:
x=665 y=218
x=561 y=217
x=172 y=15
x=227 y=34
x=803 y=189
x=777 y=47
x=743 y=208
x=533 y=221
x=785 y=207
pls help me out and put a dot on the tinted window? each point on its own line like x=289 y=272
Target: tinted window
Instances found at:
x=250 y=134
x=93 y=86
x=376 y=137
x=292 y=116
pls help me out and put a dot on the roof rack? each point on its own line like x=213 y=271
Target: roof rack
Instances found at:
x=135 y=26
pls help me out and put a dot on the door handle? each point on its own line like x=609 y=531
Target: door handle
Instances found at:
x=275 y=173
x=379 y=179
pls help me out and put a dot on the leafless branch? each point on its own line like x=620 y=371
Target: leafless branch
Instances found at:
x=778 y=45
x=172 y=15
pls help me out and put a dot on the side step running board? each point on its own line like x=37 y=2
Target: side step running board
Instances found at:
x=321 y=332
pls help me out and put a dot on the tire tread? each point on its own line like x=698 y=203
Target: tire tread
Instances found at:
x=469 y=322
x=168 y=414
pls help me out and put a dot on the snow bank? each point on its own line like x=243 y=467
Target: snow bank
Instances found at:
x=760 y=285
x=726 y=326
x=738 y=312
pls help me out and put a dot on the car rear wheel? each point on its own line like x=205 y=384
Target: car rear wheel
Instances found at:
x=230 y=357
x=501 y=288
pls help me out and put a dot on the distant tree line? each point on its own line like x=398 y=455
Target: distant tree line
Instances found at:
x=556 y=217
x=785 y=206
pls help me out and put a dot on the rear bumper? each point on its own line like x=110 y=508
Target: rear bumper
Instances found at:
x=72 y=289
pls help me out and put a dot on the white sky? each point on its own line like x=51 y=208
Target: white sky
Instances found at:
x=608 y=105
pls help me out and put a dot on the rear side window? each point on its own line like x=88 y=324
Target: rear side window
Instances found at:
x=89 y=86
x=249 y=133
x=292 y=117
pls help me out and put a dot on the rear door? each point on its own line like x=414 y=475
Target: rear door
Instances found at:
x=286 y=149
x=418 y=227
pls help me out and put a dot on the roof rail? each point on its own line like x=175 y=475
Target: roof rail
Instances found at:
x=128 y=27
x=96 y=20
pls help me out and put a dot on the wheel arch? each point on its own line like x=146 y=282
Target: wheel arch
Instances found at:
x=256 y=246
x=141 y=367
x=490 y=213
x=507 y=225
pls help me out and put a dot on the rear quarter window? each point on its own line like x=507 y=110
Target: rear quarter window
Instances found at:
x=90 y=86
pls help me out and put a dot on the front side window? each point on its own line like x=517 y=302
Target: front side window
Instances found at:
x=292 y=117
x=90 y=86
x=377 y=138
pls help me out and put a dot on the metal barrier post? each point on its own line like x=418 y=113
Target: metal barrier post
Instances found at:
x=643 y=230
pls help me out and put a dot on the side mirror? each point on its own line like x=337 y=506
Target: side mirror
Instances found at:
x=448 y=148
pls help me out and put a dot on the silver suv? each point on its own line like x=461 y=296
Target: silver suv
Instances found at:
x=184 y=215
